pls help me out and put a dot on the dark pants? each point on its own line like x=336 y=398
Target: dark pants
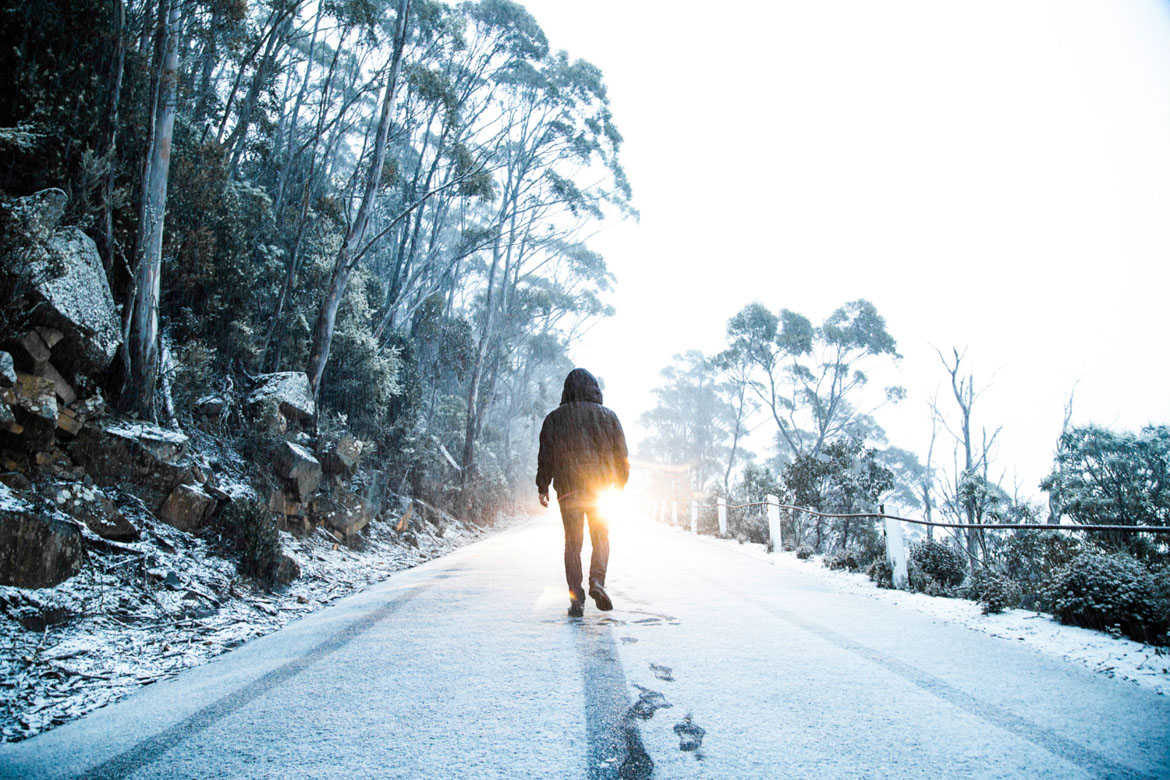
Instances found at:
x=573 y=513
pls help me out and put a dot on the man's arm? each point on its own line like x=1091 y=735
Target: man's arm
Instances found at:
x=544 y=458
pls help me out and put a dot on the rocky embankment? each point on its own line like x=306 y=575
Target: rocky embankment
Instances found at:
x=130 y=550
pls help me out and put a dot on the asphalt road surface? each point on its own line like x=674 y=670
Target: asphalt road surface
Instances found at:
x=712 y=664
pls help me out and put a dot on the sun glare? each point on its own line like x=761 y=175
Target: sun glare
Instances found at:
x=615 y=505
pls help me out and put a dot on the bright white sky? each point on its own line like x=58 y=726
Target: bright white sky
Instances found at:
x=990 y=174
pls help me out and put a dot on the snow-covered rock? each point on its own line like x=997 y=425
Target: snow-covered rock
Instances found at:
x=145 y=459
x=91 y=506
x=33 y=219
x=290 y=390
x=70 y=286
x=340 y=455
x=300 y=470
x=344 y=512
x=36 y=550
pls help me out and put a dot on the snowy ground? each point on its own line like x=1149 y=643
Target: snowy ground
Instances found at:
x=1146 y=665
x=715 y=662
x=164 y=605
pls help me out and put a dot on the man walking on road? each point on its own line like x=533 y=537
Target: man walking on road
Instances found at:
x=582 y=453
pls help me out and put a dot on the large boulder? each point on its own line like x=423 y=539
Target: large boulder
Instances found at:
x=89 y=505
x=36 y=550
x=147 y=460
x=290 y=391
x=340 y=455
x=298 y=468
x=345 y=512
x=72 y=295
x=187 y=508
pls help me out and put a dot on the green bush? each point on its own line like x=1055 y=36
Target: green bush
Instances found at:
x=995 y=592
x=935 y=568
x=880 y=572
x=845 y=560
x=247 y=529
x=1031 y=558
x=1099 y=590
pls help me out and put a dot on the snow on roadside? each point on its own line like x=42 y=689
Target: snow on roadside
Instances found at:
x=1145 y=665
x=165 y=604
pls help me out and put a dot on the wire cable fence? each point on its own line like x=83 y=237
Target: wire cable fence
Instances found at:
x=895 y=548
x=1154 y=529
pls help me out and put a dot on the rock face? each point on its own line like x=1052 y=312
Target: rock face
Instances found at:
x=90 y=506
x=299 y=469
x=145 y=459
x=36 y=551
x=290 y=390
x=71 y=285
x=187 y=508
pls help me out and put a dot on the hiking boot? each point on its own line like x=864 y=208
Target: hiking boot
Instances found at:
x=576 y=609
x=600 y=597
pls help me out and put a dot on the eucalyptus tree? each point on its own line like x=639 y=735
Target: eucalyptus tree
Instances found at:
x=970 y=495
x=557 y=127
x=351 y=248
x=690 y=422
x=141 y=320
x=810 y=378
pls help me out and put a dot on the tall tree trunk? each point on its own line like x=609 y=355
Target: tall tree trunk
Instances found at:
x=355 y=236
x=117 y=68
x=143 y=348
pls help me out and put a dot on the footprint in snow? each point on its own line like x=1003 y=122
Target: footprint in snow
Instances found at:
x=662 y=672
x=690 y=735
x=648 y=703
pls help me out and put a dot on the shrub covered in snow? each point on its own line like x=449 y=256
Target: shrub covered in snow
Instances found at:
x=804 y=552
x=935 y=568
x=1031 y=558
x=1101 y=591
x=843 y=560
x=880 y=572
x=995 y=592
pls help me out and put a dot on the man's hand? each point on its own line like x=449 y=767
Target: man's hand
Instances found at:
x=544 y=499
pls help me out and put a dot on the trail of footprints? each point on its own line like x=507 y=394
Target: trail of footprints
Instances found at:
x=690 y=734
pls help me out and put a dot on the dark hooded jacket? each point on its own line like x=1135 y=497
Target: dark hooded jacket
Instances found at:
x=582 y=445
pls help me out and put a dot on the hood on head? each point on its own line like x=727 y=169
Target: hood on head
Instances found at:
x=580 y=385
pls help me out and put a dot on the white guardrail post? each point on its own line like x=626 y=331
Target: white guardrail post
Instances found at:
x=694 y=517
x=774 y=524
x=722 y=516
x=896 y=553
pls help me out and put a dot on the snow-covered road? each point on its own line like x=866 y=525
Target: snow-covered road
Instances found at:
x=713 y=664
